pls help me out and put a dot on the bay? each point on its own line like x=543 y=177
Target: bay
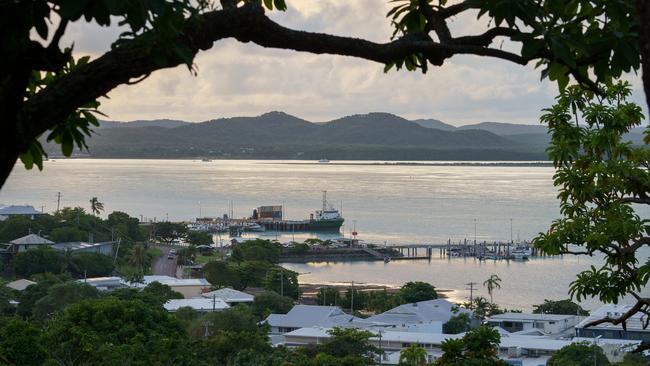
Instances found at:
x=385 y=203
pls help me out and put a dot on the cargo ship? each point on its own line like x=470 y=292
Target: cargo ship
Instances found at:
x=326 y=219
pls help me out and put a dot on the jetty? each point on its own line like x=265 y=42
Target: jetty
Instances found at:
x=387 y=253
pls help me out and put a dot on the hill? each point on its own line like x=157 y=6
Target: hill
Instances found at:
x=277 y=135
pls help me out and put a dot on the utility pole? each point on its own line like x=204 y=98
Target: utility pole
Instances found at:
x=42 y=208
x=281 y=281
x=352 y=299
x=58 y=200
x=471 y=291
x=510 y=231
x=474 y=231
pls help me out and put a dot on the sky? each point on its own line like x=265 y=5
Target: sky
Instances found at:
x=236 y=79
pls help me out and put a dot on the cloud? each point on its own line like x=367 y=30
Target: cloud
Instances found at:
x=236 y=79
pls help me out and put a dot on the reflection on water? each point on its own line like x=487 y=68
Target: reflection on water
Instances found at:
x=386 y=203
x=523 y=283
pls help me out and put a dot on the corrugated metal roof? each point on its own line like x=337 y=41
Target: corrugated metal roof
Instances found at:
x=79 y=245
x=198 y=304
x=170 y=281
x=420 y=312
x=20 y=285
x=635 y=323
x=229 y=295
x=19 y=210
x=311 y=316
x=31 y=239
x=530 y=317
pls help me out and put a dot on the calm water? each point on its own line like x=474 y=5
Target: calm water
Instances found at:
x=384 y=203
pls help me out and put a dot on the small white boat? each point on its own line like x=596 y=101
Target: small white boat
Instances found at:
x=521 y=253
x=324 y=161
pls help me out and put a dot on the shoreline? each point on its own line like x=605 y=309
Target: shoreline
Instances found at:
x=310 y=290
x=350 y=162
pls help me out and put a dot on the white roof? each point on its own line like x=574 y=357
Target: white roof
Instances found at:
x=529 y=317
x=19 y=210
x=198 y=304
x=507 y=341
x=229 y=295
x=103 y=282
x=20 y=285
x=30 y=240
x=420 y=312
x=79 y=245
x=635 y=323
x=301 y=316
x=171 y=281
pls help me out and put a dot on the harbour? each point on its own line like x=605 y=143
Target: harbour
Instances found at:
x=388 y=205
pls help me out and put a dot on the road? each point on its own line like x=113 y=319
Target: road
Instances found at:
x=164 y=266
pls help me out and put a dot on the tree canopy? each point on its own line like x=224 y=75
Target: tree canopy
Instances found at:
x=602 y=180
x=49 y=91
x=565 y=307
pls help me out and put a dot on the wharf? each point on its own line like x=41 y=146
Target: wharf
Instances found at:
x=386 y=253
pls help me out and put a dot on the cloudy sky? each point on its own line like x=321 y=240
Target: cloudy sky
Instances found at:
x=236 y=79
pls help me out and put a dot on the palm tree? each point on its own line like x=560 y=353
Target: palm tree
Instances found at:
x=414 y=355
x=492 y=283
x=138 y=258
x=95 y=206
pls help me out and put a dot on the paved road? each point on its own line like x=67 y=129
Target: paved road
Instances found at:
x=164 y=266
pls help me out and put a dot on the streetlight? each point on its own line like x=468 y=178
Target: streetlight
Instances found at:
x=381 y=351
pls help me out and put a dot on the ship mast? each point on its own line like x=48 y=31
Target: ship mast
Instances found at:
x=324 y=201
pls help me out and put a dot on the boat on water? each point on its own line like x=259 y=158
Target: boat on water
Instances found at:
x=323 y=161
x=253 y=226
x=521 y=253
x=328 y=218
x=206 y=160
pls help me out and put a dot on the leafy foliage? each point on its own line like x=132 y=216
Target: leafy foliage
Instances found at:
x=578 y=354
x=567 y=39
x=457 y=324
x=564 y=307
x=599 y=177
x=270 y=302
x=413 y=355
x=417 y=291
x=477 y=347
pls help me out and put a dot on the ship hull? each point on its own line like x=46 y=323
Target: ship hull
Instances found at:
x=325 y=225
x=332 y=225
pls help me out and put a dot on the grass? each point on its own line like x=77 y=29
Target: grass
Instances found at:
x=203 y=259
x=154 y=252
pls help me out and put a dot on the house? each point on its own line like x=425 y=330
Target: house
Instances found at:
x=636 y=326
x=20 y=285
x=24 y=210
x=527 y=322
x=28 y=242
x=514 y=349
x=188 y=287
x=104 y=283
x=301 y=316
x=424 y=316
x=200 y=304
x=105 y=248
x=229 y=296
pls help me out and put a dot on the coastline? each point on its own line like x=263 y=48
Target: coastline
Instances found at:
x=310 y=290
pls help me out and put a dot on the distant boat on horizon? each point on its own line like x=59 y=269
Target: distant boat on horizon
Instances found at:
x=206 y=160
x=324 y=161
